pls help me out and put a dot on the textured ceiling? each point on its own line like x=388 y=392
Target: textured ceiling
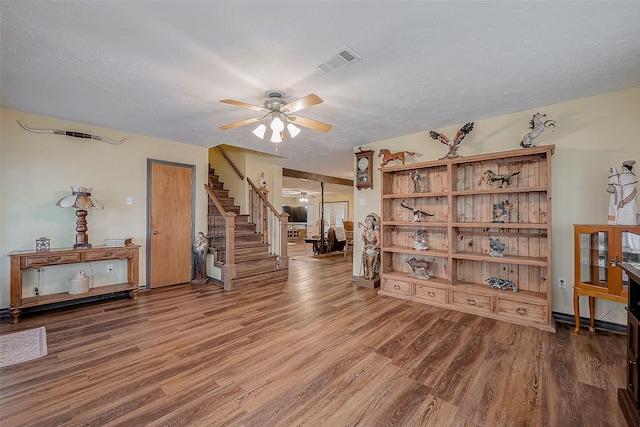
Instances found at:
x=161 y=68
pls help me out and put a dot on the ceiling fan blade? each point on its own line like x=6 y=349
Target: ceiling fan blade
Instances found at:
x=302 y=103
x=243 y=122
x=310 y=123
x=243 y=104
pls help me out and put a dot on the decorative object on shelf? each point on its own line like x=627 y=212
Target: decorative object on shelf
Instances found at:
x=200 y=247
x=278 y=115
x=81 y=199
x=455 y=144
x=623 y=206
x=79 y=283
x=263 y=184
x=416 y=179
x=420 y=243
x=420 y=268
x=43 y=244
x=73 y=134
x=388 y=156
x=364 y=173
x=501 y=284
x=503 y=179
x=497 y=247
x=501 y=211
x=118 y=242
x=537 y=126
x=461 y=236
x=371 y=252
x=416 y=212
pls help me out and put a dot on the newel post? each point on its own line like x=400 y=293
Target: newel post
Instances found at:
x=229 y=268
x=284 y=257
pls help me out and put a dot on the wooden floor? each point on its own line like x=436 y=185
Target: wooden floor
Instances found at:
x=314 y=351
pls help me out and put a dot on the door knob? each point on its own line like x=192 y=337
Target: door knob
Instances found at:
x=155 y=232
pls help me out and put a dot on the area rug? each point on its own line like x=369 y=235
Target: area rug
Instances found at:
x=22 y=346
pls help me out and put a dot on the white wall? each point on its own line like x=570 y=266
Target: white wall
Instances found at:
x=592 y=134
x=39 y=169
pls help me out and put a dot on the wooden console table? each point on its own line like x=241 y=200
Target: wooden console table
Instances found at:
x=23 y=260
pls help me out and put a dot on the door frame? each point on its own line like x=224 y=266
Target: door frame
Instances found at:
x=150 y=163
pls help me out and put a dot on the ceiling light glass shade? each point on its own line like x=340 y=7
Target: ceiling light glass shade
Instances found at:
x=275 y=137
x=304 y=199
x=277 y=125
x=259 y=131
x=293 y=130
x=80 y=198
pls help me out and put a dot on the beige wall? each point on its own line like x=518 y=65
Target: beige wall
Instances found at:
x=592 y=134
x=251 y=164
x=39 y=169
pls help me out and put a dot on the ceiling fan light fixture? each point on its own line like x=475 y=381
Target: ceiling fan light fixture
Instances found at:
x=277 y=125
x=260 y=130
x=275 y=137
x=293 y=130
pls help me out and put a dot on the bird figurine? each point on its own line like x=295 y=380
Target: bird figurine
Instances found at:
x=416 y=211
x=455 y=144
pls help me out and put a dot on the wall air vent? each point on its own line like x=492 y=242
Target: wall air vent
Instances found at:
x=340 y=60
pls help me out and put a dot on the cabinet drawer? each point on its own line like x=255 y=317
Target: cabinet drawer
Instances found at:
x=50 y=259
x=536 y=313
x=431 y=293
x=109 y=253
x=397 y=286
x=475 y=302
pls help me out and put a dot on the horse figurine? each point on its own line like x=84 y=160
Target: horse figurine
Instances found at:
x=537 y=126
x=388 y=156
x=503 y=179
x=623 y=208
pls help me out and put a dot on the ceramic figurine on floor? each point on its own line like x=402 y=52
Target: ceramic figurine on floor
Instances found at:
x=497 y=247
x=200 y=247
x=455 y=144
x=537 y=126
x=371 y=252
x=419 y=268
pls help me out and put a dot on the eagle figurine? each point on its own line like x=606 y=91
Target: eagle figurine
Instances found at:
x=455 y=144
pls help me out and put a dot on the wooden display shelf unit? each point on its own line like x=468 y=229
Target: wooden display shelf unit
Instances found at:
x=463 y=203
x=23 y=260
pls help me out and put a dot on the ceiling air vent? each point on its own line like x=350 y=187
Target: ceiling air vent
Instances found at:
x=343 y=58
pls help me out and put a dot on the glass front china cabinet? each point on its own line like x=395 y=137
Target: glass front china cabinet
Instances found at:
x=598 y=249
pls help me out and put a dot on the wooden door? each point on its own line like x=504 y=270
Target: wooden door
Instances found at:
x=171 y=216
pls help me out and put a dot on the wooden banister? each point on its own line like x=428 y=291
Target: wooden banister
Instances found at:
x=215 y=200
x=263 y=197
x=235 y=168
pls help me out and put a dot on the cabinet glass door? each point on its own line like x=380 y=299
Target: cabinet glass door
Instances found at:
x=630 y=253
x=594 y=258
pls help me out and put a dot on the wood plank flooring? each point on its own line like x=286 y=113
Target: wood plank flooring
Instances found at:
x=315 y=351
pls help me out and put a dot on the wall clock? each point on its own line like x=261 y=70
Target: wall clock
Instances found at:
x=364 y=171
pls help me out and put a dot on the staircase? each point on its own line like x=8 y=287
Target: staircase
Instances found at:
x=252 y=257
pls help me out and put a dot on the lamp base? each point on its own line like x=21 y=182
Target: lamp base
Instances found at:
x=82 y=246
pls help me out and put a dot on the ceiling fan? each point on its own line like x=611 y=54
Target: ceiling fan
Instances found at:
x=279 y=115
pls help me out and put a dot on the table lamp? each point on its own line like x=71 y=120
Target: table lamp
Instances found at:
x=81 y=199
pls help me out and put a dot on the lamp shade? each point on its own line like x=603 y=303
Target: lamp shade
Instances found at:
x=80 y=198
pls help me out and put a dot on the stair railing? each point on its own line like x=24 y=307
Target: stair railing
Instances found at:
x=223 y=239
x=228 y=159
x=269 y=222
